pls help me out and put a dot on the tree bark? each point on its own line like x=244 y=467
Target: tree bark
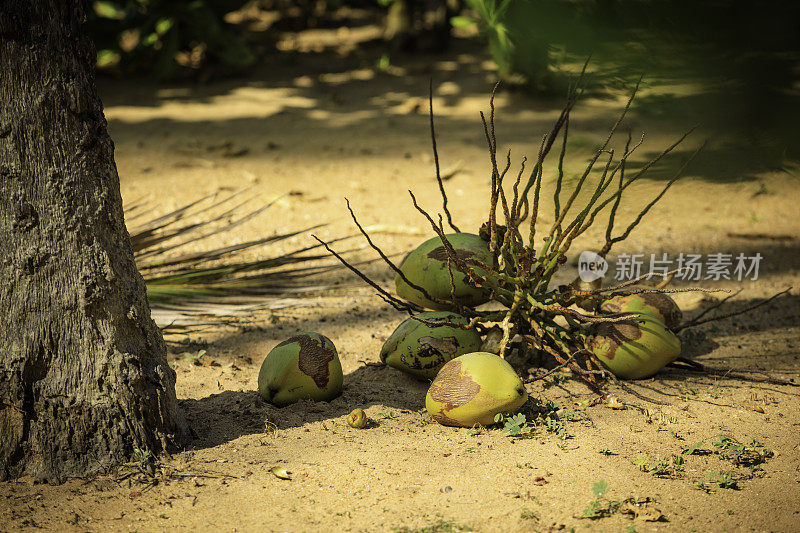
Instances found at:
x=83 y=376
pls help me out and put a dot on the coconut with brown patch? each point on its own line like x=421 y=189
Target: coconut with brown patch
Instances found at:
x=634 y=349
x=421 y=345
x=426 y=267
x=656 y=304
x=305 y=366
x=472 y=389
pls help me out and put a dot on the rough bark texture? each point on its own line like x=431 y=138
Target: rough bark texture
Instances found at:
x=83 y=375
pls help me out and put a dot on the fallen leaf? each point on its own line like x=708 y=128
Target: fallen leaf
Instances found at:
x=281 y=473
x=614 y=403
x=753 y=407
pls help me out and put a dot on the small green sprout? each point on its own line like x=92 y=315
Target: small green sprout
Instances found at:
x=515 y=425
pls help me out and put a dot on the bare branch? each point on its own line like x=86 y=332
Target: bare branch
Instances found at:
x=385 y=296
x=613 y=213
x=556 y=369
x=560 y=179
x=389 y=261
x=537 y=190
x=495 y=175
x=716 y=305
x=451 y=253
x=596 y=156
x=695 y=322
x=573 y=94
x=436 y=161
x=647 y=208
x=515 y=212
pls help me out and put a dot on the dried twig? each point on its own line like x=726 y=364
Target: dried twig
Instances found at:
x=389 y=261
x=436 y=162
x=695 y=322
x=385 y=296
x=519 y=277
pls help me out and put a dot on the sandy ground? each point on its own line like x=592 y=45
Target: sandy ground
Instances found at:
x=325 y=130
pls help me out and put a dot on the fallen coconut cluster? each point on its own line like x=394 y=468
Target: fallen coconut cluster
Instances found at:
x=468 y=388
x=475 y=298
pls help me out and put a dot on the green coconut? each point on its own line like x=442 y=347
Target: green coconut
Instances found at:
x=656 y=304
x=305 y=366
x=426 y=267
x=472 y=389
x=421 y=350
x=634 y=349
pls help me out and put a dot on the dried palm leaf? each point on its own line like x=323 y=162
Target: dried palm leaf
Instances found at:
x=217 y=286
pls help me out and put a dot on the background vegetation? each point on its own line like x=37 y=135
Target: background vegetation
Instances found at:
x=723 y=54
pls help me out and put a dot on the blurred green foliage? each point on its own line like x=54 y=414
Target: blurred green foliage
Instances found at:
x=743 y=42
x=732 y=66
x=519 y=52
x=491 y=16
x=165 y=37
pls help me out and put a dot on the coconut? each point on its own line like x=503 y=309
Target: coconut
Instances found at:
x=421 y=350
x=426 y=267
x=656 y=304
x=472 y=389
x=357 y=419
x=636 y=348
x=305 y=366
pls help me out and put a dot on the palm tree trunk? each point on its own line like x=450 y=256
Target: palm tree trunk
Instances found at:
x=83 y=375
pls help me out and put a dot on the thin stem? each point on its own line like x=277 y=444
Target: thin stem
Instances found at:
x=514 y=226
x=385 y=296
x=612 y=215
x=451 y=253
x=597 y=156
x=537 y=190
x=389 y=261
x=436 y=161
x=573 y=94
x=715 y=306
x=495 y=176
x=647 y=208
x=694 y=323
x=560 y=179
x=556 y=369
x=503 y=200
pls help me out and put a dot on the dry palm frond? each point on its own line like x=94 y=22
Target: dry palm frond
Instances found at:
x=189 y=288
